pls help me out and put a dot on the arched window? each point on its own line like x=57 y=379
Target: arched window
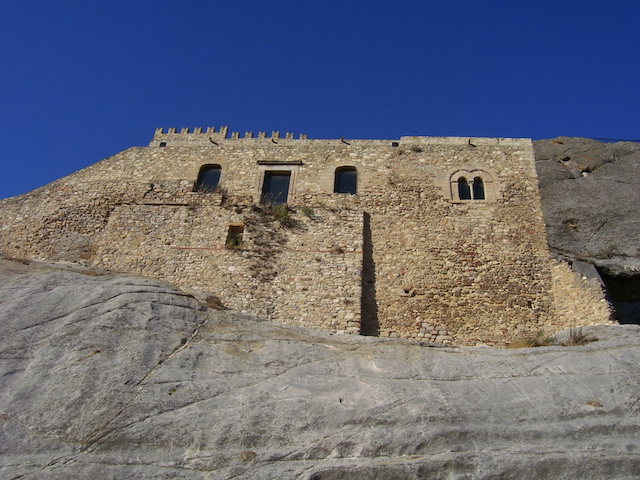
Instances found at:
x=478 y=189
x=464 y=191
x=208 y=178
x=475 y=185
x=346 y=180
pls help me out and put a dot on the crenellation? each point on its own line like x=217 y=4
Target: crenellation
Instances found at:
x=187 y=136
x=401 y=249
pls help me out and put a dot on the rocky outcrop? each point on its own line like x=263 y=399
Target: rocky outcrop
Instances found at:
x=591 y=199
x=116 y=376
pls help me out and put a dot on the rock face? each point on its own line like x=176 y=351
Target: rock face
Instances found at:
x=106 y=376
x=591 y=200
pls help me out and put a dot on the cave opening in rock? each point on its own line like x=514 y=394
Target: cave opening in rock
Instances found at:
x=624 y=294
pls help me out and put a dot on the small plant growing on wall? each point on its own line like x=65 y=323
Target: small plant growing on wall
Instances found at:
x=282 y=214
x=234 y=236
x=307 y=211
x=233 y=245
x=204 y=188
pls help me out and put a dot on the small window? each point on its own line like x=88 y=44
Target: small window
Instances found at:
x=346 y=180
x=464 y=192
x=275 y=189
x=474 y=185
x=478 y=189
x=208 y=178
x=234 y=236
x=163 y=144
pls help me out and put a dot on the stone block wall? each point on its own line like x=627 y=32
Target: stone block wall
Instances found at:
x=579 y=300
x=291 y=274
x=403 y=257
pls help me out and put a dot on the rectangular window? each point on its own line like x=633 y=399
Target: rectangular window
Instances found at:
x=275 y=189
x=234 y=236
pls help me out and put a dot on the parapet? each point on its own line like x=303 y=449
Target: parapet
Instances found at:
x=169 y=137
x=471 y=141
x=210 y=136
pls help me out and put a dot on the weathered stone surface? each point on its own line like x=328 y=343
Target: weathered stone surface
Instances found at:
x=591 y=200
x=404 y=256
x=124 y=377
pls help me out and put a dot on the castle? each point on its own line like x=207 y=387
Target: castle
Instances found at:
x=439 y=239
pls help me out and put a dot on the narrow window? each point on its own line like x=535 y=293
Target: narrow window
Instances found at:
x=478 y=189
x=275 y=189
x=464 y=192
x=346 y=180
x=208 y=178
x=234 y=236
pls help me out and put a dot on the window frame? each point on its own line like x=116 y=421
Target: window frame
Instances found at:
x=484 y=176
x=343 y=169
x=270 y=174
x=264 y=167
x=198 y=185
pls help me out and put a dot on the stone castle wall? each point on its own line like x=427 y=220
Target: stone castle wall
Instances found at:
x=578 y=300
x=403 y=257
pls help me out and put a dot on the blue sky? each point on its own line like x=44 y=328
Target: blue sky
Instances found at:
x=83 y=80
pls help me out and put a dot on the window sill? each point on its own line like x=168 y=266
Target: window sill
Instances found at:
x=478 y=202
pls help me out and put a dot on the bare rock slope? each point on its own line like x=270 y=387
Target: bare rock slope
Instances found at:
x=591 y=199
x=106 y=376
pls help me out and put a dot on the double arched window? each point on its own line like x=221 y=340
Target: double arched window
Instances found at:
x=208 y=178
x=346 y=180
x=475 y=191
x=471 y=185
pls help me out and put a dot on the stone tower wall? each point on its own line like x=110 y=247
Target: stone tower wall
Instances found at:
x=403 y=257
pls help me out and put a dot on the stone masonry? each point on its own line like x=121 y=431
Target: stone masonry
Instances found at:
x=404 y=256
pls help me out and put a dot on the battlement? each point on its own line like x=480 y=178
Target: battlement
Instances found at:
x=206 y=136
x=187 y=136
x=168 y=137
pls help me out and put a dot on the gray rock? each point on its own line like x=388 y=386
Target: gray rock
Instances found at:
x=591 y=199
x=110 y=377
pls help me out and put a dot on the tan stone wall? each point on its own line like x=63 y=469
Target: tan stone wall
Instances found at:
x=296 y=275
x=579 y=300
x=404 y=257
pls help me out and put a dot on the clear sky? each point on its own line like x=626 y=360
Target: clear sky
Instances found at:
x=82 y=80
